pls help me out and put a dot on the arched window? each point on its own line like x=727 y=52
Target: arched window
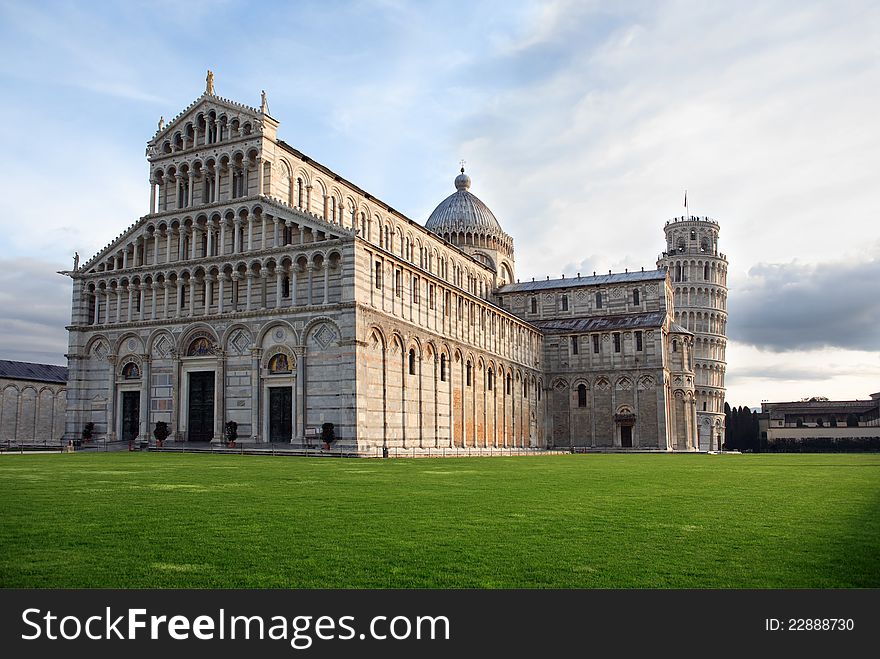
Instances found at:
x=534 y=305
x=443 y=368
x=678 y=272
x=299 y=192
x=706 y=272
x=565 y=303
x=674 y=345
x=131 y=372
x=412 y=361
x=598 y=300
x=636 y=298
x=509 y=383
x=574 y=345
x=285 y=287
x=468 y=374
x=490 y=378
x=693 y=235
x=582 y=395
x=279 y=364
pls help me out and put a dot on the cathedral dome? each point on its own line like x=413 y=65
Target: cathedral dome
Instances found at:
x=462 y=211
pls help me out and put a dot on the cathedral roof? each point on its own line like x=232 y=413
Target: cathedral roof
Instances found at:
x=463 y=211
x=30 y=371
x=648 y=320
x=595 y=280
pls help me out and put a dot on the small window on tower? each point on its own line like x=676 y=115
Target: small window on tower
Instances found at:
x=534 y=305
x=617 y=342
x=596 y=343
x=565 y=303
x=598 y=300
x=636 y=297
x=574 y=345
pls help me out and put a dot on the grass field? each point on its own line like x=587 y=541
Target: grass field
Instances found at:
x=182 y=520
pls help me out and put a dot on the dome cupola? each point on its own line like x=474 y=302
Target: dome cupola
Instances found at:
x=465 y=221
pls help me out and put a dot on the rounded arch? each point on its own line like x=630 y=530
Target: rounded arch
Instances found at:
x=265 y=329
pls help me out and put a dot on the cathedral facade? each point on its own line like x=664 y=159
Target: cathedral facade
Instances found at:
x=263 y=288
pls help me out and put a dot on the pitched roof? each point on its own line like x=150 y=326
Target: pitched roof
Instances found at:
x=595 y=280
x=649 y=320
x=31 y=371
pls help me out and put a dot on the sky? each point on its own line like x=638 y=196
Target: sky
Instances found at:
x=581 y=123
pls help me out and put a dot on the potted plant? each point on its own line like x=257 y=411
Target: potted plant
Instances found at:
x=87 y=432
x=327 y=435
x=161 y=432
x=231 y=432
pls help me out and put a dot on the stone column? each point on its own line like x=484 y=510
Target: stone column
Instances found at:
x=293 y=284
x=221 y=291
x=222 y=248
x=153 y=310
x=220 y=408
x=264 y=280
x=210 y=229
x=128 y=290
x=191 y=188
x=142 y=293
x=265 y=231
x=176 y=384
x=236 y=238
x=178 y=302
x=250 y=286
x=236 y=277
x=168 y=233
x=209 y=284
x=326 y=267
x=279 y=285
x=300 y=421
x=310 y=269
x=260 y=173
x=111 y=399
x=97 y=313
x=191 y=298
x=156 y=247
x=194 y=239
x=250 y=233
x=177 y=198
x=255 y=393
x=289 y=239
x=244 y=178
x=125 y=258
x=326 y=207
x=118 y=295
x=181 y=241
x=144 y=421
x=152 y=195
x=275 y=231
x=168 y=286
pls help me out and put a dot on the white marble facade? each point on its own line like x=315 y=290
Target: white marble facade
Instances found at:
x=263 y=288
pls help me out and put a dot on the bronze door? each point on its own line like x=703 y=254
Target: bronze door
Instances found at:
x=131 y=412
x=200 y=420
x=280 y=421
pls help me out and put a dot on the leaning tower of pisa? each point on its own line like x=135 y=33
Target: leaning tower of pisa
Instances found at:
x=698 y=272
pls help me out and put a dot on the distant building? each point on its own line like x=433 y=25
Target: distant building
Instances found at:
x=33 y=401
x=820 y=419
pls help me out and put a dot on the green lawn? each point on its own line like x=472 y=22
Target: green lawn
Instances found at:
x=635 y=521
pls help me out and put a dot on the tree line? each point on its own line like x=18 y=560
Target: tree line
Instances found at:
x=741 y=429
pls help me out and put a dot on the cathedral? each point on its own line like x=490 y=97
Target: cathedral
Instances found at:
x=266 y=289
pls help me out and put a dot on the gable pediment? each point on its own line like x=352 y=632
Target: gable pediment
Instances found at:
x=205 y=105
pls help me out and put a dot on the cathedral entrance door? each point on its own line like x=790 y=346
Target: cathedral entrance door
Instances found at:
x=280 y=418
x=626 y=436
x=131 y=412
x=200 y=417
